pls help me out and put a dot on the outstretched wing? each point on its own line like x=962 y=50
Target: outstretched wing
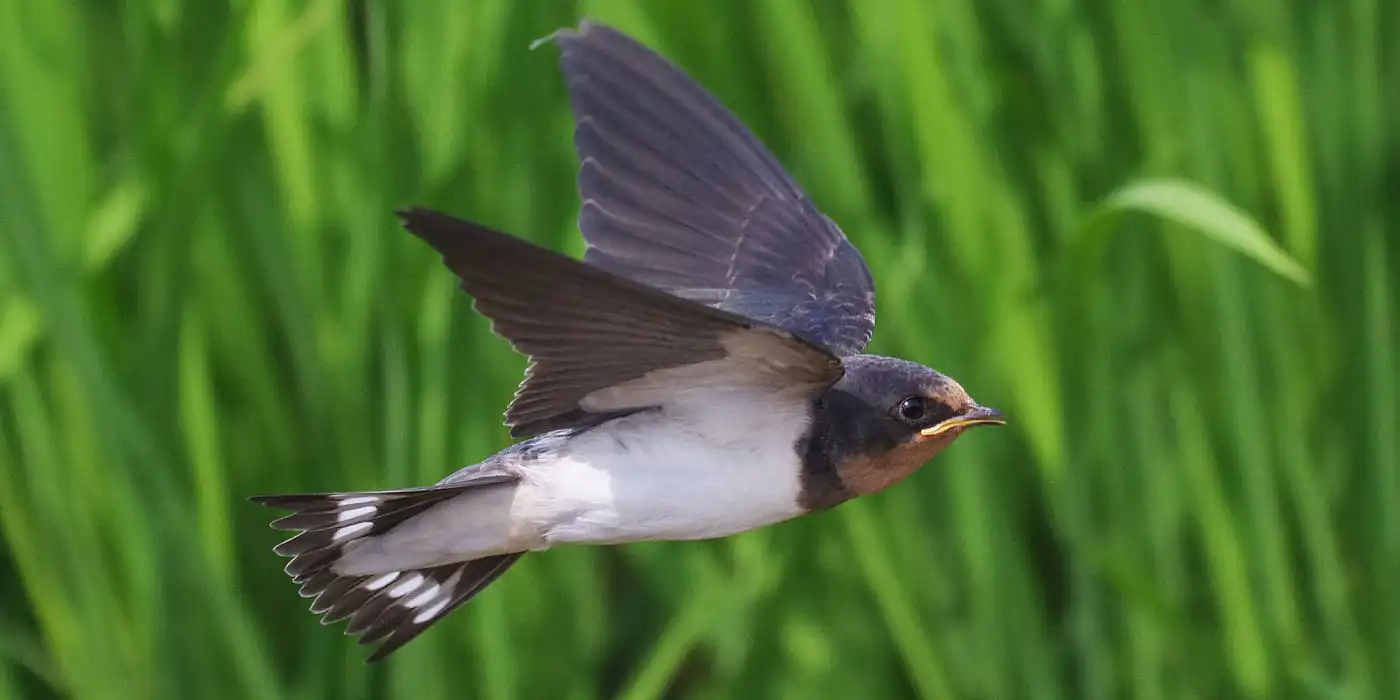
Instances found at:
x=600 y=344
x=678 y=194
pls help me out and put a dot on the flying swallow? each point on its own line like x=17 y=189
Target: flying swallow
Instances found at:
x=700 y=373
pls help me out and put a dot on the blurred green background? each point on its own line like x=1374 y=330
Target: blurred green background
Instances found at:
x=204 y=296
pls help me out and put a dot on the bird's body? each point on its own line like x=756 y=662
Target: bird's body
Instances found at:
x=699 y=374
x=683 y=473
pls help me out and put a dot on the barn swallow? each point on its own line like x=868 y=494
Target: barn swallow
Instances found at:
x=700 y=373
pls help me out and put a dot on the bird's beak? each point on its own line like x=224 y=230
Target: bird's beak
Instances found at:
x=980 y=415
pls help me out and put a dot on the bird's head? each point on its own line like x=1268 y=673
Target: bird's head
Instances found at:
x=887 y=417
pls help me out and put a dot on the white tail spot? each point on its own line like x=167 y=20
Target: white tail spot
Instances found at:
x=355 y=513
x=430 y=613
x=406 y=587
x=350 y=531
x=382 y=581
x=357 y=500
x=423 y=598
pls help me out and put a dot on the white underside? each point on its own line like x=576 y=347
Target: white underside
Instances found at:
x=711 y=467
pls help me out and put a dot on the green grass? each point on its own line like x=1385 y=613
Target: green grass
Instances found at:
x=1159 y=234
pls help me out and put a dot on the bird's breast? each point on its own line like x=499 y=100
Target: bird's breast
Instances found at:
x=667 y=475
x=867 y=474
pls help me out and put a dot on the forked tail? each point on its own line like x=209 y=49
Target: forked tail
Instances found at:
x=389 y=608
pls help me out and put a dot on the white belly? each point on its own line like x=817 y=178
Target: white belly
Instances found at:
x=666 y=477
x=678 y=475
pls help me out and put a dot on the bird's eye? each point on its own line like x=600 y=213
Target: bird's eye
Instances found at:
x=913 y=408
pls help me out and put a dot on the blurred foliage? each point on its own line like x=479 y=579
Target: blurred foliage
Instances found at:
x=204 y=296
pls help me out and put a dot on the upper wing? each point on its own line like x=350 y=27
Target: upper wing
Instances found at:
x=678 y=194
x=601 y=344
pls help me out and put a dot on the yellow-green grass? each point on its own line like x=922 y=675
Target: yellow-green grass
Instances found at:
x=1159 y=235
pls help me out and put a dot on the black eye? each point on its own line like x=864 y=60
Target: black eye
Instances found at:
x=913 y=408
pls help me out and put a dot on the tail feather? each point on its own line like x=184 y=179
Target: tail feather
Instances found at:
x=390 y=608
x=396 y=627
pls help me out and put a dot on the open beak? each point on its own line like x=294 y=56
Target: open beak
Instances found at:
x=980 y=415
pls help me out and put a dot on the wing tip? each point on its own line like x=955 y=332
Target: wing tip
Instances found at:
x=438 y=229
x=563 y=35
x=412 y=214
